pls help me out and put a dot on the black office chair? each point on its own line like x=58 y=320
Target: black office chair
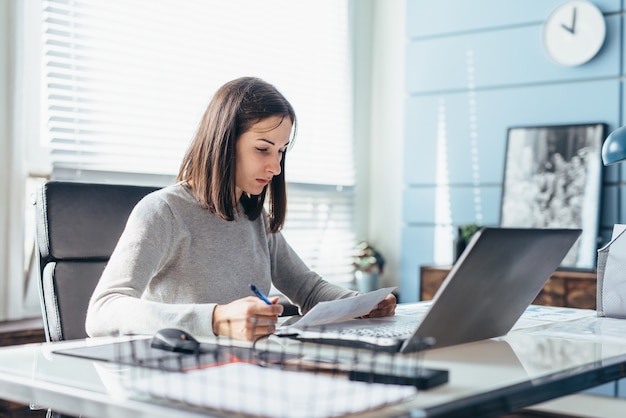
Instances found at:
x=77 y=228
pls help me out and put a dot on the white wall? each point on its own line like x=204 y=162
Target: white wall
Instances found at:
x=11 y=168
x=387 y=133
x=18 y=131
x=5 y=36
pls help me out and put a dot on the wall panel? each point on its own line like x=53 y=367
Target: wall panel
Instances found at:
x=502 y=57
x=418 y=249
x=434 y=18
x=480 y=205
x=477 y=124
x=610 y=205
x=463 y=204
x=417 y=205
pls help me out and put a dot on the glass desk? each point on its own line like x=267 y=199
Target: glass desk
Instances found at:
x=551 y=352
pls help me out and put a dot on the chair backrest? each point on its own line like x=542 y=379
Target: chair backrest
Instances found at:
x=77 y=228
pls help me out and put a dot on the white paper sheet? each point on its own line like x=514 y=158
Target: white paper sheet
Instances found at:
x=340 y=309
x=540 y=316
x=252 y=390
x=595 y=330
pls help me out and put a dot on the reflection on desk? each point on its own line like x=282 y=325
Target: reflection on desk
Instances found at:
x=242 y=388
x=310 y=381
x=568 y=353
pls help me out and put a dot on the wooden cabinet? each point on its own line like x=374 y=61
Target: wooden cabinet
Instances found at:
x=23 y=331
x=573 y=289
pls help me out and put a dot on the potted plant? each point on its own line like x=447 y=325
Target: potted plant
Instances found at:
x=368 y=266
x=463 y=237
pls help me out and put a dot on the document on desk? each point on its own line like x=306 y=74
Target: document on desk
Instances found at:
x=259 y=391
x=538 y=316
x=339 y=310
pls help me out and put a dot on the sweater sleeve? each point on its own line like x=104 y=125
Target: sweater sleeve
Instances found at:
x=116 y=306
x=295 y=280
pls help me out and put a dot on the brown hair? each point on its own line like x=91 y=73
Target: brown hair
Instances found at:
x=209 y=164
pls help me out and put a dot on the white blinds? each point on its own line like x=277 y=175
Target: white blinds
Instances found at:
x=126 y=82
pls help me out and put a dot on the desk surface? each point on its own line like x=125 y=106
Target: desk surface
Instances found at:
x=550 y=353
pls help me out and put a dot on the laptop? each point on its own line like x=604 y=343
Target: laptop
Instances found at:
x=495 y=279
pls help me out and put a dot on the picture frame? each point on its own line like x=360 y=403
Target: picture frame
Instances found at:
x=553 y=179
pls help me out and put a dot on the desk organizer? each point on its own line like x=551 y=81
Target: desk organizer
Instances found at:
x=270 y=377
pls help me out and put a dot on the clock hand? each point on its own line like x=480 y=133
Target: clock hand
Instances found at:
x=571 y=29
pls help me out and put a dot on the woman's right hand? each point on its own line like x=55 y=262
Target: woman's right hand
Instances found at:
x=247 y=318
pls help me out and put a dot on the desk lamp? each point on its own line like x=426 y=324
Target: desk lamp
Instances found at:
x=614 y=147
x=611 y=300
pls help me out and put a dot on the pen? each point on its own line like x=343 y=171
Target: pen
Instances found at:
x=260 y=294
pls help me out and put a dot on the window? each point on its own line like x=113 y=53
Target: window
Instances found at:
x=125 y=84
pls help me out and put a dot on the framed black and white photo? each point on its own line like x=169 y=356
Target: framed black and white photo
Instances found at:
x=553 y=179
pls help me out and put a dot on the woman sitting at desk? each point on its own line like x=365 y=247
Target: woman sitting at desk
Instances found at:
x=190 y=250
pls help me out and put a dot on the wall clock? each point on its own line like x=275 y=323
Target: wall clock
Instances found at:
x=574 y=32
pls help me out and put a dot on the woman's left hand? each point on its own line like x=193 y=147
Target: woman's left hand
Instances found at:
x=387 y=307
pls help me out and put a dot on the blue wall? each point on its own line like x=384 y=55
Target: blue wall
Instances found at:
x=474 y=69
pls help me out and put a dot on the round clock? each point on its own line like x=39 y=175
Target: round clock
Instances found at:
x=574 y=32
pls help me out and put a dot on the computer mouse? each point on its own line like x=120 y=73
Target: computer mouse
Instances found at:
x=173 y=339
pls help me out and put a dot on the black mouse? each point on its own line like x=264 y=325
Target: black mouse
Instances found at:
x=172 y=339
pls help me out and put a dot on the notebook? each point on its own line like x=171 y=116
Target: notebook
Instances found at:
x=495 y=279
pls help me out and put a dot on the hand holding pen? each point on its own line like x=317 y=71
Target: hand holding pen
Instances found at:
x=260 y=294
x=246 y=318
x=272 y=326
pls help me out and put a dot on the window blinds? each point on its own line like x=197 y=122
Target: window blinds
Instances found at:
x=125 y=84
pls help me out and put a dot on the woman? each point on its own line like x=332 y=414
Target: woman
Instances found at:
x=189 y=251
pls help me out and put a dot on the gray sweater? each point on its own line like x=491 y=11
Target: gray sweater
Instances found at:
x=176 y=260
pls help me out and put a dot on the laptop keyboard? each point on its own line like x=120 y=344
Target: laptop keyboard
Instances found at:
x=381 y=337
x=400 y=331
x=377 y=334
